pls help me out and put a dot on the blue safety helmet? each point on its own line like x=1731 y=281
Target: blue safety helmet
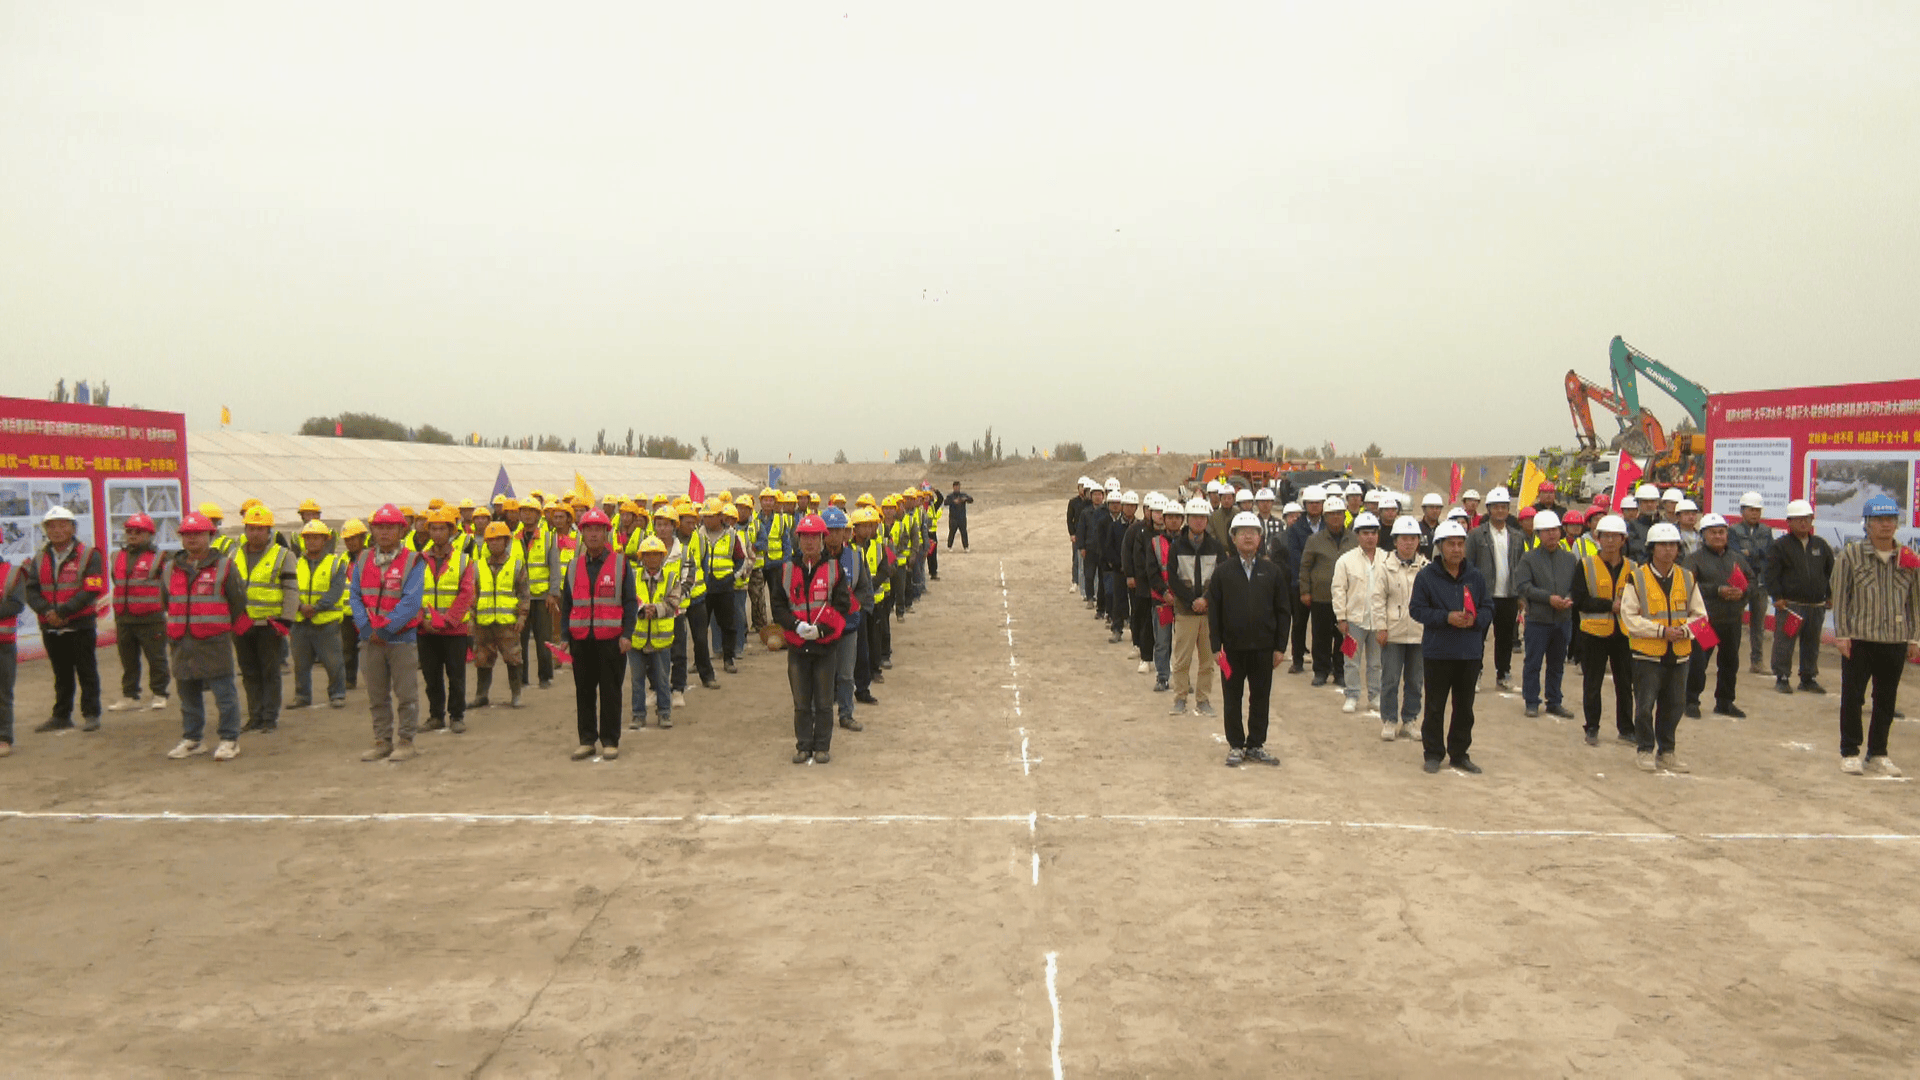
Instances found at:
x=1881 y=506
x=835 y=518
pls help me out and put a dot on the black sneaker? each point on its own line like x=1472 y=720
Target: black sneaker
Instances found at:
x=54 y=724
x=1691 y=712
x=710 y=684
x=434 y=723
x=1319 y=680
x=1533 y=710
x=1296 y=668
x=1782 y=686
x=801 y=757
x=1560 y=711
x=821 y=757
x=1234 y=757
x=1431 y=765
x=1593 y=738
x=1259 y=756
x=1628 y=738
x=1809 y=686
x=1731 y=710
x=1466 y=765
x=866 y=699
x=1161 y=687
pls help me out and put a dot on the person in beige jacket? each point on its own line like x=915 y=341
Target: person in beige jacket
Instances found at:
x=1402 y=675
x=1659 y=602
x=1352 y=591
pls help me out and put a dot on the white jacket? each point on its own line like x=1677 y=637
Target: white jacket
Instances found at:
x=1392 y=592
x=1353 y=575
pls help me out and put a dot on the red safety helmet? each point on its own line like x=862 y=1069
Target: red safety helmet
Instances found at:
x=1547 y=488
x=388 y=515
x=194 y=523
x=811 y=525
x=1527 y=512
x=1575 y=517
x=141 y=521
x=594 y=517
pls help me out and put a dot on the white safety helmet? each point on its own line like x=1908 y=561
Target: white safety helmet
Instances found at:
x=1173 y=507
x=1263 y=495
x=1198 y=505
x=1470 y=493
x=1086 y=482
x=1629 y=503
x=1685 y=505
x=1292 y=508
x=1664 y=532
x=1113 y=481
x=1612 y=523
x=1245 y=519
x=1130 y=498
x=1449 y=529
x=1152 y=501
x=1499 y=495
x=1799 y=508
x=1354 y=488
x=1546 y=519
x=1372 y=497
x=57 y=513
x=1647 y=491
x=1406 y=526
x=1457 y=514
x=1242 y=495
x=1432 y=498
x=1334 y=506
x=1672 y=495
x=1366 y=521
x=1314 y=493
x=1388 y=502
x=1713 y=521
x=1753 y=499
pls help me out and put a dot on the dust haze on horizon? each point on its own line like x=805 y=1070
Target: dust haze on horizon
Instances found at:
x=798 y=229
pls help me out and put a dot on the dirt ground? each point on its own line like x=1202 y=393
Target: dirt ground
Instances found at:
x=1018 y=793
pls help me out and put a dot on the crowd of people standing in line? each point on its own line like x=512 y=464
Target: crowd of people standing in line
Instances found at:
x=636 y=586
x=1395 y=608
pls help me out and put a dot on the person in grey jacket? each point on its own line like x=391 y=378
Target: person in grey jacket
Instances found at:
x=1752 y=539
x=1494 y=548
x=1322 y=551
x=1545 y=582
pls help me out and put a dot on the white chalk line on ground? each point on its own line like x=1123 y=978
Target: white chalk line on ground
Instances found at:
x=1031 y=819
x=1026 y=760
x=1053 y=998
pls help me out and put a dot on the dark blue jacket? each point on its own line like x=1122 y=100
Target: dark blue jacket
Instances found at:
x=1437 y=594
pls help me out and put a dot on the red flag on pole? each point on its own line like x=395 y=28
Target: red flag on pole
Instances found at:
x=336 y=427
x=1468 y=605
x=696 y=490
x=1625 y=475
x=1737 y=579
x=1456 y=478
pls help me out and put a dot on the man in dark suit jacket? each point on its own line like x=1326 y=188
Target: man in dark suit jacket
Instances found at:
x=1248 y=614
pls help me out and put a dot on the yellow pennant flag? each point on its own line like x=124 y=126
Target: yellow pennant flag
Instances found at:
x=1530 y=480
x=225 y=416
x=582 y=488
x=1376 y=474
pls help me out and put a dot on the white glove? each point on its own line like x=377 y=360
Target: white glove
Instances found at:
x=807 y=631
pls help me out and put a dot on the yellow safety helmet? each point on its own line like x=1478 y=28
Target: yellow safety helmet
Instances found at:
x=865 y=500
x=354 y=527
x=435 y=504
x=651 y=544
x=745 y=502
x=838 y=500
x=864 y=515
x=726 y=495
x=509 y=506
x=408 y=512
x=803 y=493
x=891 y=500
x=480 y=512
x=257 y=515
x=730 y=511
x=248 y=504
x=630 y=507
x=211 y=510
x=499 y=529
x=788 y=496
x=467 y=504
x=498 y=499
x=443 y=515
x=766 y=491
x=669 y=512
x=562 y=506
x=315 y=528
x=711 y=506
x=309 y=506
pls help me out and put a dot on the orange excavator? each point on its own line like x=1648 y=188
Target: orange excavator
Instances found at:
x=1643 y=438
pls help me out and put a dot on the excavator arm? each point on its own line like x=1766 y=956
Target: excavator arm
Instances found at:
x=1641 y=435
x=1628 y=362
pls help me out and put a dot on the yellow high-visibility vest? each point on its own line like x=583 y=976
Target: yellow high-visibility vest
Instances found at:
x=265 y=594
x=1668 y=607
x=494 y=599
x=315 y=578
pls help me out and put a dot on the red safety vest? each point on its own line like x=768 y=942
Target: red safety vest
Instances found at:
x=136 y=587
x=810 y=594
x=597 y=607
x=198 y=605
x=381 y=587
x=9 y=627
x=68 y=584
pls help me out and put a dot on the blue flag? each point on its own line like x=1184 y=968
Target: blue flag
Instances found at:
x=81 y=395
x=773 y=476
x=502 y=486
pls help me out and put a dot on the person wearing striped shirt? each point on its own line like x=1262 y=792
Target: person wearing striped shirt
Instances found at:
x=1876 y=625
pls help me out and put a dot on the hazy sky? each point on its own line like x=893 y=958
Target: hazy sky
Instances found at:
x=1142 y=223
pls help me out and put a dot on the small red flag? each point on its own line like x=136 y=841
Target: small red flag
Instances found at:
x=1226 y=669
x=1792 y=627
x=1349 y=648
x=336 y=427
x=1737 y=579
x=1909 y=560
x=1469 y=606
x=696 y=490
x=560 y=655
x=1625 y=473
x=1703 y=633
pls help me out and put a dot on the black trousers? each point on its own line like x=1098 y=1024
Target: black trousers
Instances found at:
x=1297 y=632
x=1327 y=658
x=679 y=653
x=956 y=525
x=700 y=630
x=539 y=630
x=258 y=654
x=137 y=640
x=1118 y=597
x=1727 y=675
x=350 y=652
x=1603 y=653
x=1140 y=625
x=720 y=610
x=864 y=658
x=599 y=670
x=71 y=654
x=1448 y=679
x=933 y=558
x=1659 y=691
x=1253 y=670
x=1878 y=664
x=880 y=627
x=443 y=667
x=810 y=676
x=1506 y=620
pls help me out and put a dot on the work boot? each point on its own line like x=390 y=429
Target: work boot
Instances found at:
x=458 y=727
x=851 y=724
x=1533 y=710
x=1730 y=709
x=90 y=723
x=866 y=699
x=124 y=704
x=666 y=720
x=1644 y=761
x=482 y=682
x=821 y=757
x=610 y=753
x=1560 y=711
x=679 y=699
x=730 y=669
x=434 y=723
x=1593 y=738
x=801 y=757
x=1431 y=765
x=1691 y=712
x=250 y=725
x=402 y=751
x=1671 y=763
x=709 y=683
x=638 y=722
x=581 y=753
x=1296 y=667
x=382 y=749
x=54 y=723
x=1465 y=764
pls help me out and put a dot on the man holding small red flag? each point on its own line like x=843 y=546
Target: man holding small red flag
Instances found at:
x=1450 y=600
x=1724 y=576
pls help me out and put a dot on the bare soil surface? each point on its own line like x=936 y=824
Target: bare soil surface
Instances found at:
x=716 y=911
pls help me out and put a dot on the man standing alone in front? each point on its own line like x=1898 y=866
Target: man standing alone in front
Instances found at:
x=957 y=503
x=1248 y=607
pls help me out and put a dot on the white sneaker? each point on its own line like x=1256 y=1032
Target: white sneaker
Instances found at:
x=1350 y=705
x=1145 y=666
x=123 y=705
x=187 y=749
x=228 y=751
x=679 y=699
x=1881 y=766
x=159 y=704
x=1389 y=731
x=1851 y=765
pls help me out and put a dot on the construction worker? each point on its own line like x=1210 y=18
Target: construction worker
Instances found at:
x=769 y=528
x=1658 y=608
x=1077 y=506
x=1450 y=600
x=12 y=601
x=1194 y=556
x=853 y=569
x=216 y=517
x=309 y=512
x=725 y=567
x=699 y=616
x=501 y=601
x=656 y=617
x=1716 y=567
x=1470 y=502
x=1352 y=603
x=1402 y=671
x=874 y=633
x=811 y=606
x=913 y=506
x=1312 y=502
x=666 y=526
x=473 y=543
x=743 y=593
x=1121 y=510
x=415 y=535
x=598 y=608
x=321 y=582
x=1596 y=603
x=64 y=580
x=1495 y=547
x=389 y=588
x=1172 y=521
x=139 y=573
x=538 y=549
x=1134 y=555
x=445 y=634
x=957 y=502
x=273 y=599
x=1089 y=539
x=207 y=604
x=1544 y=582
x=1752 y=538
x=1876 y=625
x=1431 y=507
x=1317 y=561
x=1799 y=579
x=353 y=537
